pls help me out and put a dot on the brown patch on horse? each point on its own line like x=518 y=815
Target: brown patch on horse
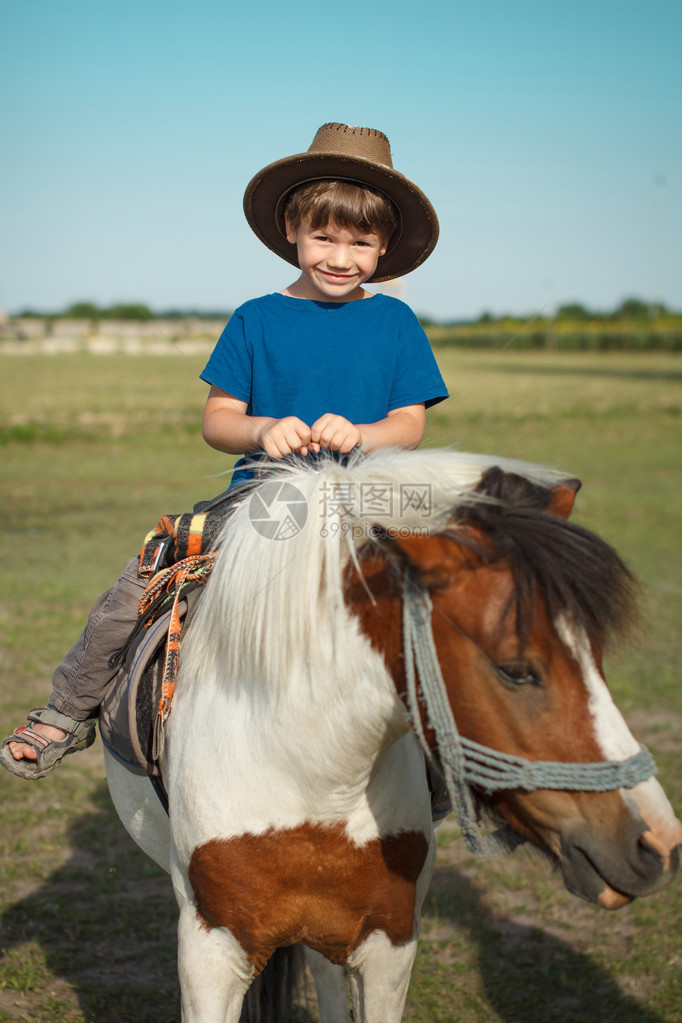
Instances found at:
x=563 y=497
x=308 y=884
x=475 y=630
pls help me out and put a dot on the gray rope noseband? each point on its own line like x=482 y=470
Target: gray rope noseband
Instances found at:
x=465 y=763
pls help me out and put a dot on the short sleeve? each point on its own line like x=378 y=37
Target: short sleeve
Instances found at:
x=230 y=366
x=417 y=377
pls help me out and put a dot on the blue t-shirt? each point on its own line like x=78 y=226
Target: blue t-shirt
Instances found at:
x=294 y=357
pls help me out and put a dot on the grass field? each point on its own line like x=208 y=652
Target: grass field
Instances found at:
x=94 y=449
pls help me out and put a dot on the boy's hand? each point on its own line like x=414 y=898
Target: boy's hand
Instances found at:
x=285 y=436
x=334 y=433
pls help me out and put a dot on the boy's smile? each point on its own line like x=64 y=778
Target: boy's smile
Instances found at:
x=335 y=261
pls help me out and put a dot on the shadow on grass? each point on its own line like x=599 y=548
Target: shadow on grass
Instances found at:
x=105 y=923
x=527 y=974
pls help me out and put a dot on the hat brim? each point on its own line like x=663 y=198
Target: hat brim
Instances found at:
x=262 y=206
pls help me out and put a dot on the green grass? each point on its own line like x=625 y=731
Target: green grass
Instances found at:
x=88 y=924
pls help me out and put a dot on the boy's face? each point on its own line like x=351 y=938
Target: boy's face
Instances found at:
x=335 y=261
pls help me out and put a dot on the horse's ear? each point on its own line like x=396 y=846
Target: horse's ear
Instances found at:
x=563 y=498
x=431 y=559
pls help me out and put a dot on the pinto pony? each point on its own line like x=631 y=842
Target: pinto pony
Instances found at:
x=355 y=612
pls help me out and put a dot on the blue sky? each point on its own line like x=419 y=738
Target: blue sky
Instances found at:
x=548 y=137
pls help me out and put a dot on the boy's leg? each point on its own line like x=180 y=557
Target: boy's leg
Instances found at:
x=80 y=681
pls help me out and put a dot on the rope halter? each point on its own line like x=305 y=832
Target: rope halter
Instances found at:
x=465 y=763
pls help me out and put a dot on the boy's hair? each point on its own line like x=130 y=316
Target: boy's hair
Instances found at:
x=343 y=203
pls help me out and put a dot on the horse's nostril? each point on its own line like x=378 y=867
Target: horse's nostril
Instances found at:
x=652 y=852
x=647 y=850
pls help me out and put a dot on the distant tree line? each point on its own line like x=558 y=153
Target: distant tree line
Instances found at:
x=634 y=325
x=125 y=311
x=629 y=309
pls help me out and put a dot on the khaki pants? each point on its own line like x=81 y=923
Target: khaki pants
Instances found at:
x=80 y=681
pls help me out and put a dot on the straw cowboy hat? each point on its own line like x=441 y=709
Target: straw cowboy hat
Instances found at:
x=359 y=155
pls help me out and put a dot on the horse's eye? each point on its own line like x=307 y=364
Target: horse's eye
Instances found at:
x=520 y=674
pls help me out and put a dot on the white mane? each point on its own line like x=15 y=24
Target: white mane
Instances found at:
x=275 y=602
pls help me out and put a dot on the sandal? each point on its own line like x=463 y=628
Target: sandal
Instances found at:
x=79 y=735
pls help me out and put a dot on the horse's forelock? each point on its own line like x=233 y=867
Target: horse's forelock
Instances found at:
x=572 y=570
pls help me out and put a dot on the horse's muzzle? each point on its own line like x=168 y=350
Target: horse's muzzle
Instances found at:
x=612 y=871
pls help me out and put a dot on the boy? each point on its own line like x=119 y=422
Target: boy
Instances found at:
x=324 y=364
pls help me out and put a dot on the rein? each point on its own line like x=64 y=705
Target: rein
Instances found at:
x=465 y=763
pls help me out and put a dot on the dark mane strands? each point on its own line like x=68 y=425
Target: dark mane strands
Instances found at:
x=571 y=569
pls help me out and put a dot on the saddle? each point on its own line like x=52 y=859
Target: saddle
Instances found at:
x=130 y=722
x=177 y=557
